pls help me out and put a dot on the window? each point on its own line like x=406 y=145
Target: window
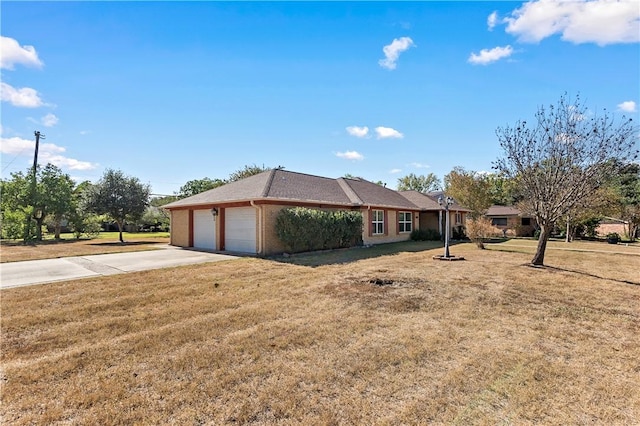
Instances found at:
x=377 y=221
x=526 y=221
x=499 y=221
x=458 y=217
x=404 y=222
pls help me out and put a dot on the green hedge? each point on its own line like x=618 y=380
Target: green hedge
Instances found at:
x=304 y=229
x=425 y=235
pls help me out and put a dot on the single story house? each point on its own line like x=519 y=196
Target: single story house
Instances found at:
x=240 y=216
x=511 y=221
x=609 y=225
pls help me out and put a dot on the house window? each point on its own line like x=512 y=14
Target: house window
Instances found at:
x=404 y=222
x=377 y=221
x=499 y=221
x=458 y=217
x=526 y=221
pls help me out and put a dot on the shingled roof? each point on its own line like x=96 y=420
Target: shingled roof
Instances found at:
x=283 y=185
x=503 y=211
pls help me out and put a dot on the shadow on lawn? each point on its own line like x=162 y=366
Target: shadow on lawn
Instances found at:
x=126 y=243
x=353 y=254
x=587 y=274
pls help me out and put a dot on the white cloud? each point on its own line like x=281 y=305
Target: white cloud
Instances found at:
x=47 y=153
x=49 y=120
x=359 y=132
x=492 y=20
x=25 y=97
x=388 y=132
x=486 y=56
x=392 y=52
x=395 y=171
x=595 y=21
x=420 y=165
x=350 y=155
x=12 y=53
x=627 y=106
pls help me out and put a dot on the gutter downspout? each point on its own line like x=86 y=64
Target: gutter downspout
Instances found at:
x=260 y=230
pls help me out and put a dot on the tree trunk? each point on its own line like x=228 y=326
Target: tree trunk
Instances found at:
x=39 y=228
x=57 y=227
x=120 y=226
x=632 y=229
x=538 y=258
x=568 y=232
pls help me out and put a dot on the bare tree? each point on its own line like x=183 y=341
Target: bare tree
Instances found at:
x=562 y=159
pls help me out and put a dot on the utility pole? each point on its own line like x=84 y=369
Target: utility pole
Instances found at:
x=31 y=213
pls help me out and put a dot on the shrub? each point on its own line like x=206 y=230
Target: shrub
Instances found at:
x=13 y=222
x=613 y=238
x=425 y=235
x=479 y=229
x=304 y=229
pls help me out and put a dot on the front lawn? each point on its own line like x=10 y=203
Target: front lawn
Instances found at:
x=395 y=338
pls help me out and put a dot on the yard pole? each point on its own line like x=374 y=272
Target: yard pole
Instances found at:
x=27 y=235
x=446 y=232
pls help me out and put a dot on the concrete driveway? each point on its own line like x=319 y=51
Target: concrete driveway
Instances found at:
x=16 y=274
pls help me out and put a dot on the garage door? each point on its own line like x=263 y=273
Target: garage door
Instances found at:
x=240 y=229
x=204 y=230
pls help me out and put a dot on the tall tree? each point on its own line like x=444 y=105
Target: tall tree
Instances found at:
x=422 y=183
x=562 y=158
x=196 y=186
x=469 y=188
x=52 y=196
x=119 y=196
x=55 y=193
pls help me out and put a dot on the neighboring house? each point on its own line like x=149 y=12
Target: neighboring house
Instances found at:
x=511 y=221
x=609 y=225
x=241 y=216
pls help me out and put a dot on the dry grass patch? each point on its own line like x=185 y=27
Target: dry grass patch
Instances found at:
x=395 y=339
x=49 y=249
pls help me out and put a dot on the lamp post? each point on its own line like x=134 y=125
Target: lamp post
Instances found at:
x=446 y=202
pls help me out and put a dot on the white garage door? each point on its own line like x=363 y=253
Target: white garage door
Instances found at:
x=204 y=230
x=240 y=229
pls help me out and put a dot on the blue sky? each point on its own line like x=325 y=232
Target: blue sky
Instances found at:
x=170 y=92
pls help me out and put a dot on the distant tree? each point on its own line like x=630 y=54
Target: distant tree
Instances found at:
x=502 y=190
x=421 y=183
x=162 y=200
x=197 y=186
x=81 y=220
x=50 y=197
x=249 y=171
x=627 y=187
x=120 y=197
x=583 y=218
x=470 y=189
x=14 y=201
x=562 y=158
x=55 y=190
